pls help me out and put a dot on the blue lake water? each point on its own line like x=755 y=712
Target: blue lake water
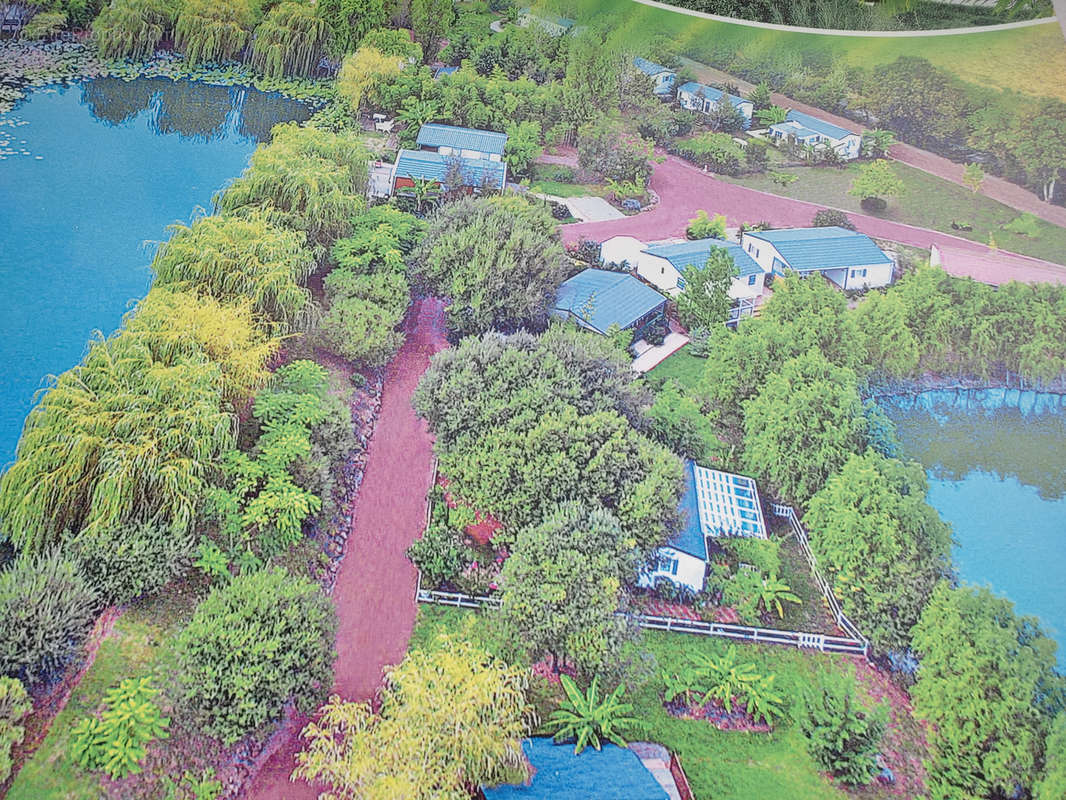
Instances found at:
x=996 y=462
x=90 y=177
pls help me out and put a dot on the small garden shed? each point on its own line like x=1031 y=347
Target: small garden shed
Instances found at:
x=597 y=299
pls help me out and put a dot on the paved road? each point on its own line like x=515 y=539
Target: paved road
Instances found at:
x=1010 y=194
x=375 y=589
x=683 y=189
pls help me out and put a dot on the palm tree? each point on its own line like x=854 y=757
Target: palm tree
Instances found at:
x=772 y=591
x=773 y=115
x=589 y=720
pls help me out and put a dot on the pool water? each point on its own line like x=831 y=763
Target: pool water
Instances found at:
x=90 y=177
x=996 y=462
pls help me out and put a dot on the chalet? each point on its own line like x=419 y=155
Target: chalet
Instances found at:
x=662 y=78
x=703 y=99
x=472 y=143
x=597 y=299
x=715 y=504
x=663 y=264
x=849 y=259
x=608 y=773
x=476 y=174
x=804 y=129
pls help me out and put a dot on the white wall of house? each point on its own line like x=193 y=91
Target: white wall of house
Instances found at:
x=858 y=276
x=764 y=253
x=868 y=276
x=679 y=567
x=704 y=105
x=620 y=249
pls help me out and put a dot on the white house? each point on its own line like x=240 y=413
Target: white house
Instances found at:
x=662 y=78
x=849 y=259
x=806 y=129
x=715 y=504
x=662 y=264
x=702 y=98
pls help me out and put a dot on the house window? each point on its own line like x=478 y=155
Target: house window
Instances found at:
x=667 y=564
x=778 y=266
x=854 y=272
x=751 y=280
x=864 y=273
x=680 y=283
x=756 y=252
x=749 y=247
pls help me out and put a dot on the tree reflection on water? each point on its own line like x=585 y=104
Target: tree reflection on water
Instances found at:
x=190 y=109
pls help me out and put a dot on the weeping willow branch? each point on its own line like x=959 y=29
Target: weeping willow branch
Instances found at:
x=208 y=30
x=290 y=41
x=132 y=28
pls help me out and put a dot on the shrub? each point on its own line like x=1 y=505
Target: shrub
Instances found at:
x=702 y=227
x=439 y=554
x=252 y=646
x=874 y=204
x=125 y=562
x=14 y=705
x=763 y=554
x=44 y=25
x=830 y=217
x=46 y=608
x=117 y=742
x=607 y=148
x=842 y=736
x=715 y=151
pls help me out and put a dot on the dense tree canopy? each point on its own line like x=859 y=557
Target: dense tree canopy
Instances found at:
x=705 y=300
x=290 y=41
x=496 y=258
x=132 y=28
x=882 y=547
x=987 y=686
x=210 y=30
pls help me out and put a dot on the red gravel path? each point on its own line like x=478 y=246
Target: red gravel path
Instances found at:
x=375 y=589
x=683 y=189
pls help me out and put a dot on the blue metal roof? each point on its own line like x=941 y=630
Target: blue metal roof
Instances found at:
x=650 y=68
x=613 y=773
x=601 y=298
x=809 y=249
x=696 y=253
x=819 y=125
x=434 y=135
x=710 y=92
x=442 y=71
x=690 y=538
x=427 y=164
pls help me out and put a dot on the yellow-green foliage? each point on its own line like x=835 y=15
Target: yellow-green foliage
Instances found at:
x=132 y=432
x=241 y=257
x=451 y=716
x=308 y=180
x=361 y=72
x=290 y=41
x=132 y=28
x=44 y=24
x=213 y=30
x=14 y=705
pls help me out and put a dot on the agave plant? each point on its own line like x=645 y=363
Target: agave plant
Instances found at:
x=587 y=719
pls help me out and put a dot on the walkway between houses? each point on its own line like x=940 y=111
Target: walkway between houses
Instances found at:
x=375 y=588
x=1003 y=191
x=683 y=189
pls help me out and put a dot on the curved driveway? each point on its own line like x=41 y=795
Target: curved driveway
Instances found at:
x=683 y=189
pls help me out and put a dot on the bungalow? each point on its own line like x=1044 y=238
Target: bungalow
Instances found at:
x=662 y=264
x=597 y=299
x=610 y=773
x=662 y=78
x=702 y=98
x=426 y=165
x=556 y=26
x=449 y=140
x=818 y=133
x=849 y=259
x=714 y=504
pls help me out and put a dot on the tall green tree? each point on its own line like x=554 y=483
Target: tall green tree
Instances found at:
x=802 y=426
x=988 y=690
x=876 y=180
x=881 y=546
x=891 y=349
x=213 y=31
x=430 y=22
x=350 y=20
x=1038 y=144
x=1053 y=782
x=705 y=300
x=132 y=28
x=561 y=587
x=923 y=103
x=290 y=41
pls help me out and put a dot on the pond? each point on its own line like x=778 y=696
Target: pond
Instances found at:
x=996 y=462
x=90 y=176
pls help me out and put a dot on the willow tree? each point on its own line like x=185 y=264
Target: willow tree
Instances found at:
x=132 y=28
x=362 y=72
x=231 y=257
x=290 y=41
x=129 y=435
x=306 y=179
x=213 y=31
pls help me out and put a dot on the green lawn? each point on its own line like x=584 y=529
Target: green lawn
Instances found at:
x=1031 y=60
x=724 y=765
x=927 y=202
x=682 y=367
x=140 y=643
x=559 y=189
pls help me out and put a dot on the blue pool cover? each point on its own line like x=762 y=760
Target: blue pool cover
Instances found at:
x=613 y=773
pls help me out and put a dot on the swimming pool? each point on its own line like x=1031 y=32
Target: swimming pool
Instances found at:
x=90 y=176
x=996 y=462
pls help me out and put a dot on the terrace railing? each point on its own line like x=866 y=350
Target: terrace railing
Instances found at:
x=842 y=621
